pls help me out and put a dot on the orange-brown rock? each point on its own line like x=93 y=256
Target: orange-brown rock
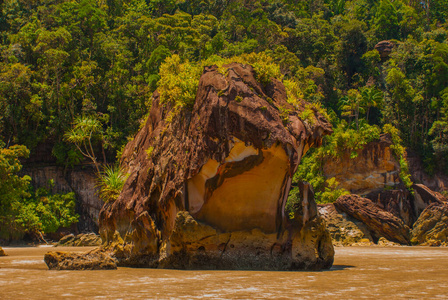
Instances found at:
x=384 y=48
x=375 y=168
x=344 y=229
x=92 y=260
x=207 y=186
x=380 y=223
x=431 y=227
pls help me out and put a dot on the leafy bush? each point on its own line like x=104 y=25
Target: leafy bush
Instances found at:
x=179 y=80
x=331 y=192
x=46 y=212
x=24 y=211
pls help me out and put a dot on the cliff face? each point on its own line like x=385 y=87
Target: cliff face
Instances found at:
x=81 y=181
x=207 y=187
x=375 y=168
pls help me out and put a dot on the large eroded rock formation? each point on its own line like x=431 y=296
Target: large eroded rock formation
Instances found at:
x=207 y=187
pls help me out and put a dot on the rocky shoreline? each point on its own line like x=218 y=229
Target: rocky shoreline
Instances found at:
x=354 y=220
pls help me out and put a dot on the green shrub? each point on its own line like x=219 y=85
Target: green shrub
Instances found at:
x=110 y=183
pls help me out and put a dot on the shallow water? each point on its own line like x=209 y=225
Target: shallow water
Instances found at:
x=358 y=273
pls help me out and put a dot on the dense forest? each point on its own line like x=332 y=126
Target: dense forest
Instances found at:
x=79 y=74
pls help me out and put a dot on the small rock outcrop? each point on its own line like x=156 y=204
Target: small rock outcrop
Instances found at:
x=380 y=223
x=374 y=168
x=2 y=252
x=383 y=242
x=431 y=227
x=385 y=49
x=93 y=260
x=344 y=230
x=207 y=187
x=80 y=240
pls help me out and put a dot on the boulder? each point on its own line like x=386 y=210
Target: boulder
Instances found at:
x=383 y=242
x=424 y=197
x=384 y=48
x=344 y=230
x=2 y=252
x=374 y=168
x=80 y=240
x=431 y=228
x=397 y=202
x=207 y=185
x=380 y=222
x=92 y=260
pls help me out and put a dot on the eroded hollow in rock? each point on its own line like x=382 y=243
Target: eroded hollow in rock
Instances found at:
x=257 y=176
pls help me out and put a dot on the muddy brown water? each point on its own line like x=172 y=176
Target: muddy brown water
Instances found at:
x=358 y=273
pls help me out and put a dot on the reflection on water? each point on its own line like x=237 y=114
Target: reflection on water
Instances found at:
x=358 y=273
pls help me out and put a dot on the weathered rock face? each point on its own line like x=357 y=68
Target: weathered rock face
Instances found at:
x=344 y=230
x=431 y=227
x=81 y=181
x=375 y=168
x=397 y=202
x=208 y=189
x=424 y=197
x=380 y=223
x=384 y=48
x=92 y=260
x=437 y=182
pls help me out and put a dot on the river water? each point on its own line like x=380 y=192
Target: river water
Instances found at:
x=358 y=273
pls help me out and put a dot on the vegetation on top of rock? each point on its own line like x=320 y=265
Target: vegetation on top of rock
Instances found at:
x=179 y=80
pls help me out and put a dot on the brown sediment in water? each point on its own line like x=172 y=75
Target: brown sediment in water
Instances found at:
x=358 y=272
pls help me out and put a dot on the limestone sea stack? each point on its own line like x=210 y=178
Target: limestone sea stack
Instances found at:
x=207 y=186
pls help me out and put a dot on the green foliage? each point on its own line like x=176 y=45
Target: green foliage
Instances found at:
x=64 y=59
x=13 y=188
x=149 y=151
x=46 y=212
x=331 y=192
x=178 y=82
x=111 y=182
x=400 y=153
x=293 y=202
x=85 y=132
x=346 y=139
x=24 y=211
x=343 y=140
